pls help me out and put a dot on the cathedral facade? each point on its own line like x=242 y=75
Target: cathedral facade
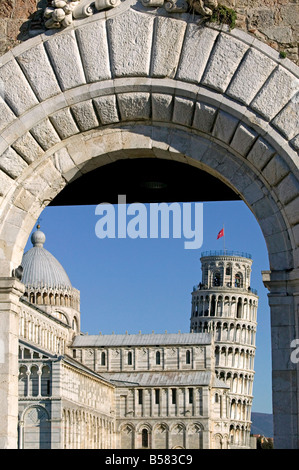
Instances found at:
x=136 y=391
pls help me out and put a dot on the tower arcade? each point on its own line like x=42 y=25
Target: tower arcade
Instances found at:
x=225 y=304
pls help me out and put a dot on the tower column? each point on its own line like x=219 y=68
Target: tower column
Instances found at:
x=226 y=298
x=11 y=290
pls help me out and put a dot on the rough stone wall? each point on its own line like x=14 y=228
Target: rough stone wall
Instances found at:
x=274 y=22
x=14 y=22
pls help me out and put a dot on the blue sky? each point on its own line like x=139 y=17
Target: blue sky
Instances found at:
x=145 y=284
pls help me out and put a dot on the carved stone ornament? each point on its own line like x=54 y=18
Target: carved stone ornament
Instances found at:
x=61 y=13
x=201 y=7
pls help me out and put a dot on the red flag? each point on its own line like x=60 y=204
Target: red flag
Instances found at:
x=221 y=233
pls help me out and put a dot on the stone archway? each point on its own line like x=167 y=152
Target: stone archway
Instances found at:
x=133 y=82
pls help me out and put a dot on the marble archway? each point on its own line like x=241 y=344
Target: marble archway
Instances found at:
x=136 y=81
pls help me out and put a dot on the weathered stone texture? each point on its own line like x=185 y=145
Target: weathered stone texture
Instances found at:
x=273 y=22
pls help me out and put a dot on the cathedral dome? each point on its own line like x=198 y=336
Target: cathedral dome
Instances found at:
x=40 y=268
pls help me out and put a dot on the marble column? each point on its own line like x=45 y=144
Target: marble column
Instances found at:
x=11 y=290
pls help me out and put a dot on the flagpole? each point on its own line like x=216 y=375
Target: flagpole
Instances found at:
x=223 y=239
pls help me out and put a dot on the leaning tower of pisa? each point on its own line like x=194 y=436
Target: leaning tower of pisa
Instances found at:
x=225 y=303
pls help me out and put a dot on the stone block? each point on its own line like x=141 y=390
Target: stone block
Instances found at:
x=28 y=148
x=130 y=48
x=285 y=410
x=168 y=40
x=280 y=261
x=99 y=144
x=29 y=119
x=284 y=381
x=295 y=142
x=5 y=183
x=6 y=114
x=17 y=216
x=17 y=91
x=77 y=95
x=278 y=242
x=275 y=170
x=12 y=163
x=179 y=143
x=77 y=150
x=162 y=107
x=134 y=106
x=196 y=50
x=12 y=132
x=106 y=107
x=242 y=178
x=55 y=182
x=49 y=193
x=23 y=199
x=263 y=208
x=250 y=76
x=183 y=110
x=85 y=115
x=37 y=68
x=55 y=104
x=260 y=153
x=64 y=164
x=254 y=120
x=243 y=139
x=275 y=94
x=219 y=159
x=292 y=211
x=224 y=61
x=272 y=224
x=93 y=45
x=280 y=34
x=65 y=57
x=111 y=143
x=35 y=185
x=287 y=189
x=160 y=138
x=204 y=117
x=64 y=123
x=296 y=234
x=287 y=120
x=198 y=147
x=138 y=143
x=225 y=126
x=45 y=134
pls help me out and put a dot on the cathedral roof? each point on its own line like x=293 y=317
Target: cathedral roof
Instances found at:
x=156 y=379
x=41 y=268
x=141 y=339
x=165 y=379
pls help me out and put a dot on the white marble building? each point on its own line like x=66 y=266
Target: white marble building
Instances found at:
x=225 y=304
x=156 y=391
